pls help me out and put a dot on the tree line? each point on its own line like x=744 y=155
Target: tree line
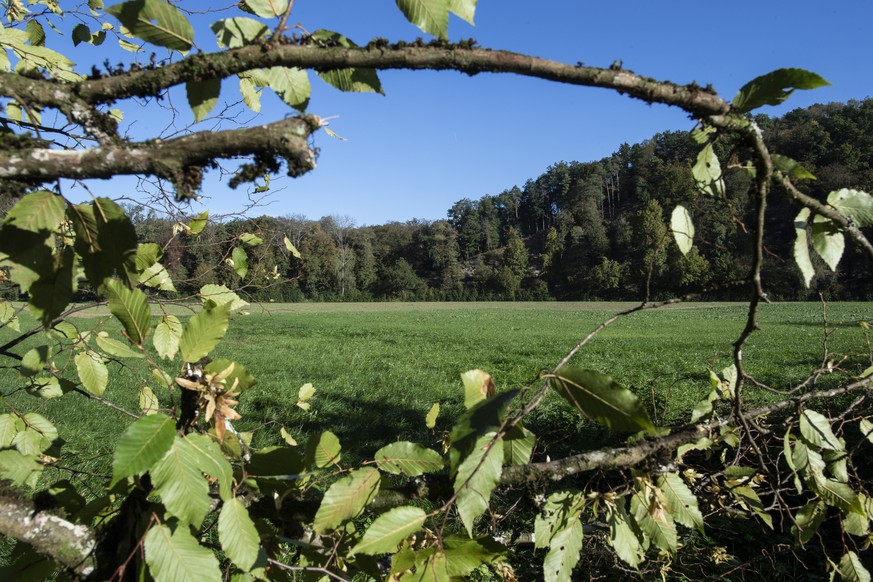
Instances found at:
x=579 y=231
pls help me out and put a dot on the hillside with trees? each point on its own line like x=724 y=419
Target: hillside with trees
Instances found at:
x=579 y=231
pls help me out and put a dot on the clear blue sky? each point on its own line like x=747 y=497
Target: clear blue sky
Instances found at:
x=437 y=137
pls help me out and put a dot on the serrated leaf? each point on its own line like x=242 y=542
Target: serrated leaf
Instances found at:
x=306 y=392
x=142 y=445
x=238 y=32
x=346 y=498
x=290 y=84
x=168 y=332
x=352 y=79
x=828 y=241
x=564 y=551
x=34 y=361
x=35 y=33
x=681 y=502
x=707 y=172
x=852 y=570
x=37 y=211
x=683 y=229
x=839 y=495
x=389 y=529
x=221 y=295
x=157 y=277
x=854 y=205
x=653 y=519
x=148 y=402
x=155 y=21
x=432 y=414
x=477 y=477
x=801 y=247
x=431 y=16
x=518 y=445
x=478 y=386
x=622 y=536
x=410 y=459
x=131 y=308
x=602 y=399
x=791 y=168
x=324 y=450
x=464 y=9
x=115 y=348
x=18 y=468
x=251 y=96
x=182 y=487
x=198 y=223
x=92 y=372
x=238 y=536
x=202 y=96
x=774 y=88
x=267 y=8
x=203 y=331
x=240 y=261
x=807 y=521
x=560 y=510
x=174 y=554
x=211 y=461
x=815 y=428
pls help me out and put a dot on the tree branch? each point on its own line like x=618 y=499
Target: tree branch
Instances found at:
x=70 y=545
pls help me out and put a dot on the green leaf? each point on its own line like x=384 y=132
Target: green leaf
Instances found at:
x=774 y=88
x=115 y=348
x=624 y=538
x=251 y=239
x=477 y=477
x=410 y=459
x=351 y=79
x=238 y=32
x=558 y=513
x=683 y=229
x=238 y=536
x=53 y=291
x=147 y=254
x=35 y=33
x=157 y=277
x=816 y=430
x=431 y=16
x=791 y=168
x=251 y=96
x=839 y=495
x=34 y=361
x=346 y=498
x=8 y=317
x=131 y=308
x=106 y=240
x=211 y=461
x=148 y=402
x=155 y=21
x=203 y=332
x=18 y=468
x=518 y=444
x=807 y=521
x=707 y=172
x=182 y=487
x=10 y=425
x=240 y=261
x=852 y=570
x=290 y=84
x=854 y=205
x=324 y=450
x=198 y=223
x=680 y=501
x=221 y=295
x=168 y=332
x=46 y=388
x=202 y=96
x=801 y=247
x=866 y=428
x=142 y=445
x=464 y=9
x=92 y=372
x=564 y=551
x=291 y=248
x=41 y=210
x=464 y=555
x=602 y=399
x=267 y=8
x=432 y=414
x=653 y=519
x=174 y=554
x=306 y=392
x=828 y=241
x=478 y=386
x=389 y=529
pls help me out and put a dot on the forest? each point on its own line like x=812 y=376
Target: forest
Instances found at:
x=579 y=231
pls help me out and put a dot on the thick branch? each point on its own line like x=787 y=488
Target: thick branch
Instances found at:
x=170 y=159
x=70 y=545
x=692 y=98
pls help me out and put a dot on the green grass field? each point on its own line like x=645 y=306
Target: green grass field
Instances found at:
x=379 y=367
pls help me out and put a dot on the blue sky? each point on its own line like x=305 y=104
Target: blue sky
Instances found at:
x=437 y=137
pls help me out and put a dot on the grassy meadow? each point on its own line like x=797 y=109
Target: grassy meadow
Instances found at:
x=378 y=367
